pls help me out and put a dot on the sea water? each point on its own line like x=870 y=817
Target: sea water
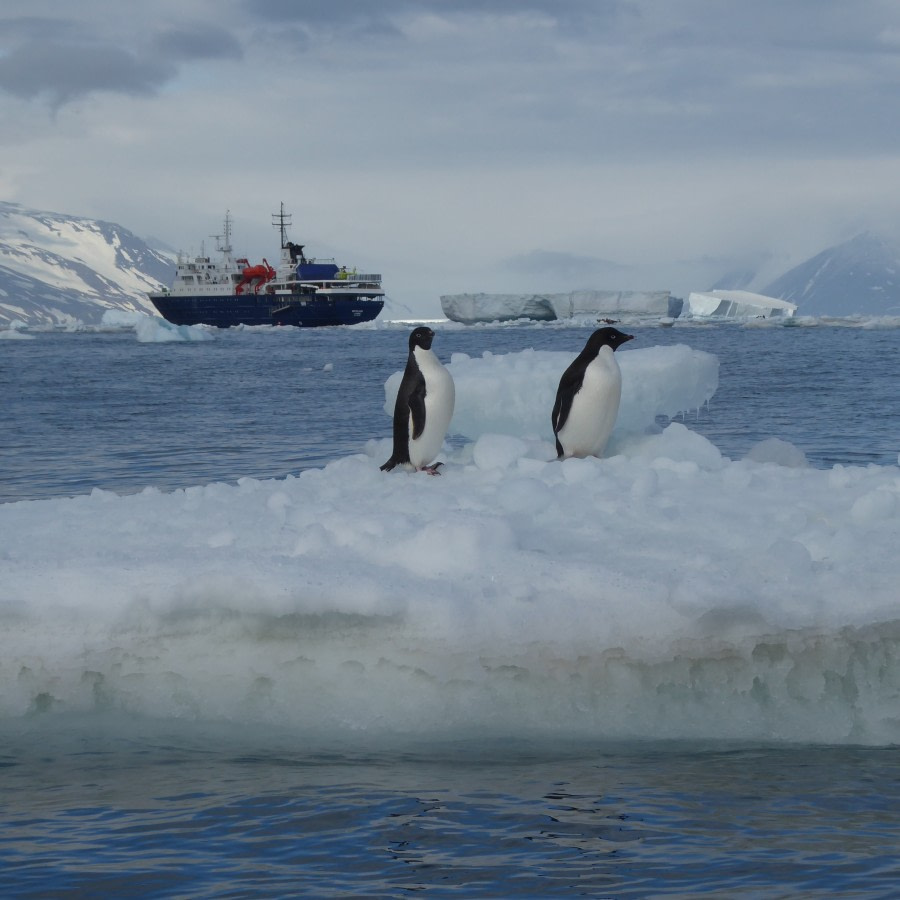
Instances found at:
x=116 y=804
x=86 y=410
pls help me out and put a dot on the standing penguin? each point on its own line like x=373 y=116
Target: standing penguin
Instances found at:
x=587 y=400
x=423 y=409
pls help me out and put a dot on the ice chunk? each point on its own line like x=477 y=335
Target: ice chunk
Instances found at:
x=150 y=330
x=498 y=451
x=782 y=453
x=513 y=393
x=737 y=304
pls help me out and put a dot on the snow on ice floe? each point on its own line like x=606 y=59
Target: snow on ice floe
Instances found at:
x=664 y=591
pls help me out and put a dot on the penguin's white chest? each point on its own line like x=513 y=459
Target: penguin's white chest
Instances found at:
x=594 y=408
x=440 y=396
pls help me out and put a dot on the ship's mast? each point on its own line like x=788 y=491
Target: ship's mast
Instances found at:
x=223 y=241
x=281 y=220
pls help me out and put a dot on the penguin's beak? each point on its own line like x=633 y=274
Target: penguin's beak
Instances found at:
x=627 y=337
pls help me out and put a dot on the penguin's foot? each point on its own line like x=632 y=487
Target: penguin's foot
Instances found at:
x=432 y=469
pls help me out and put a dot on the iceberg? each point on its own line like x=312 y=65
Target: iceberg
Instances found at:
x=472 y=308
x=737 y=304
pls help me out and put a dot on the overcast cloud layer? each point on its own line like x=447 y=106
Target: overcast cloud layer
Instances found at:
x=456 y=145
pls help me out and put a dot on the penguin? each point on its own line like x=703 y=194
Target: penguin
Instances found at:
x=423 y=409
x=587 y=400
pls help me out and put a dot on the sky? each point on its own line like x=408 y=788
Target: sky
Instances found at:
x=461 y=146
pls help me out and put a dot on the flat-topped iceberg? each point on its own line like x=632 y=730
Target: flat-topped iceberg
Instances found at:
x=472 y=308
x=737 y=304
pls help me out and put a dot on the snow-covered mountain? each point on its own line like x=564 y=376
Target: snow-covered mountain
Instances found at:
x=60 y=269
x=861 y=275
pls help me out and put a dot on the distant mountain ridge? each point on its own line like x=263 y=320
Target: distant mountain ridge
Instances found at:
x=860 y=276
x=57 y=268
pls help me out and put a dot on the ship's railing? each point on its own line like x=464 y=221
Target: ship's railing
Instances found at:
x=354 y=276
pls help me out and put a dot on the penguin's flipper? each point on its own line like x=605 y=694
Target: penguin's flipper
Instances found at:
x=417 y=408
x=569 y=386
x=563 y=406
x=557 y=411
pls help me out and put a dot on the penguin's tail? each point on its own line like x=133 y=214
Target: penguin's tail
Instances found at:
x=389 y=465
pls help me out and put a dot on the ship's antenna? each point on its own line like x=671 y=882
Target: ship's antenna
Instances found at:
x=281 y=220
x=223 y=241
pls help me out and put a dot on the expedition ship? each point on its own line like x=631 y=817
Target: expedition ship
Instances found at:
x=300 y=291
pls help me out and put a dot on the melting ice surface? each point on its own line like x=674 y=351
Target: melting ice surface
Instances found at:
x=662 y=592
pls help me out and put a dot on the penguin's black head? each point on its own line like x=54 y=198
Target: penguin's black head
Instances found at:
x=421 y=337
x=607 y=337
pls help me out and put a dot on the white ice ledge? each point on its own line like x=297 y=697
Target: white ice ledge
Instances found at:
x=737 y=304
x=472 y=308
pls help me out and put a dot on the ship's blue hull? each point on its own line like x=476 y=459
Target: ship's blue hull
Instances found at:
x=265 y=309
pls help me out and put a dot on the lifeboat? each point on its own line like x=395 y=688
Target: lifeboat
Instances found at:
x=255 y=276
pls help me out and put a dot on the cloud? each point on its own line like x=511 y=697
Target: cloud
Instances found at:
x=35 y=28
x=195 y=42
x=67 y=58
x=302 y=24
x=313 y=15
x=689 y=133
x=548 y=267
x=66 y=71
x=390 y=16
x=550 y=271
x=312 y=11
